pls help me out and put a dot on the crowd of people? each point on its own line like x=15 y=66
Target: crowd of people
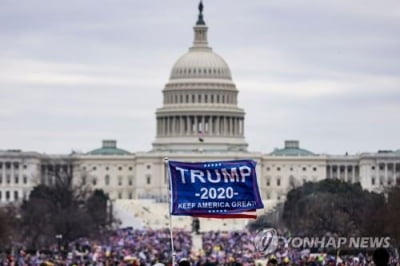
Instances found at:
x=153 y=247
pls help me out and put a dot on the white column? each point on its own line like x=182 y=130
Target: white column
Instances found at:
x=169 y=126
x=181 y=118
x=188 y=125
x=242 y=127
x=176 y=125
x=196 y=125
x=224 y=130
x=203 y=121
x=217 y=125
x=237 y=127
x=231 y=126
x=165 y=122
x=166 y=126
x=211 y=125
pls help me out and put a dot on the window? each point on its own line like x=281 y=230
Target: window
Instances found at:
x=373 y=181
x=16 y=196
x=268 y=182
x=130 y=181
x=1 y=165
x=107 y=180
x=119 y=181
x=278 y=182
x=268 y=196
x=0 y=195
x=119 y=195
x=25 y=179
x=107 y=168
x=7 y=195
x=148 y=180
x=25 y=166
x=120 y=168
x=8 y=179
x=315 y=169
x=16 y=165
x=278 y=168
x=1 y=179
x=94 y=168
x=16 y=179
x=268 y=169
x=304 y=169
x=94 y=181
x=148 y=166
x=373 y=167
x=291 y=168
x=279 y=197
x=130 y=195
x=83 y=180
x=130 y=168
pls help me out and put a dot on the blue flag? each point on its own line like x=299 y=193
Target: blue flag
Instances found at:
x=220 y=189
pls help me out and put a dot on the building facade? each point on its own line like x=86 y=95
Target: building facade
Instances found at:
x=200 y=120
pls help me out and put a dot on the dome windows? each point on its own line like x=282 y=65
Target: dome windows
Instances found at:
x=193 y=72
x=200 y=97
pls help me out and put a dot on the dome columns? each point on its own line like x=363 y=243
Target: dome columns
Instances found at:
x=200 y=125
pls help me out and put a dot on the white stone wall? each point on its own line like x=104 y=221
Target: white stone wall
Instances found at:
x=19 y=173
x=281 y=173
x=142 y=175
x=116 y=175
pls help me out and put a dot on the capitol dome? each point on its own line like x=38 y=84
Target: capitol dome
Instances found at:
x=200 y=63
x=200 y=109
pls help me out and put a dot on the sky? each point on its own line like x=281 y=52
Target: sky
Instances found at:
x=326 y=73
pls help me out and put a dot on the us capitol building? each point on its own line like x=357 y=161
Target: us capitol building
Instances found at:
x=200 y=120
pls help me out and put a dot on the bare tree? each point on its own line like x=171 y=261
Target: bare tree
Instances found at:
x=62 y=206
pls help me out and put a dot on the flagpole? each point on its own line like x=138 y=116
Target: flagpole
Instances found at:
x=166 y=173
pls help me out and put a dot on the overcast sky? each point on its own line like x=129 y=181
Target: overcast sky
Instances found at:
x=75 y=72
